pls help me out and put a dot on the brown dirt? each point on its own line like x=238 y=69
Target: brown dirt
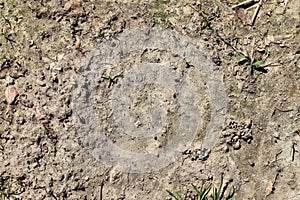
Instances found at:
x=43 y=45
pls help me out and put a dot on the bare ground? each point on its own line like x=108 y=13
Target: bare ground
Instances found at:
x=44 y=43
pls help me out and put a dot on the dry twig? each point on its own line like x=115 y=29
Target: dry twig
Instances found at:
x=256 y=12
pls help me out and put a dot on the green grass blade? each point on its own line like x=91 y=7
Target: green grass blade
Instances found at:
x=214 y=193
x=258 y=62
x=196 y=190
x=220 y=187
x=241 y=56
x=178 y=197
x=230 y=196
x=202 y=193
x=205 y=192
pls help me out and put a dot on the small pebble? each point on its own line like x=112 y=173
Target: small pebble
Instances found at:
x=40 y=83
x=237 y=145
x=11 y=94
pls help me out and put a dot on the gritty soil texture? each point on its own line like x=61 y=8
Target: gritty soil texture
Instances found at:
x=44 y=43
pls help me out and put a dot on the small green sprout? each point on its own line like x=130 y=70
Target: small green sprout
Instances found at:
x=218 y=12
x=107 y=77
x=240 y=42
x=204 y=24
x=257 y=62
x=216 y=34
x=111 y=78
x=252 y=61
x=101 y=33
x=241 y=56
x=108 y=21
x=66 y=101
x=267 y=52
x=45 y=131
x=230 y=196
x=4 y=33
x=217 y=192
x=203 y=192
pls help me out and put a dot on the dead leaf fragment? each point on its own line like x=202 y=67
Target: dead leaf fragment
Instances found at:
x=11 y=94
x=36 y=109
x=242 y=14
x=77 y=45
x=270 y=188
